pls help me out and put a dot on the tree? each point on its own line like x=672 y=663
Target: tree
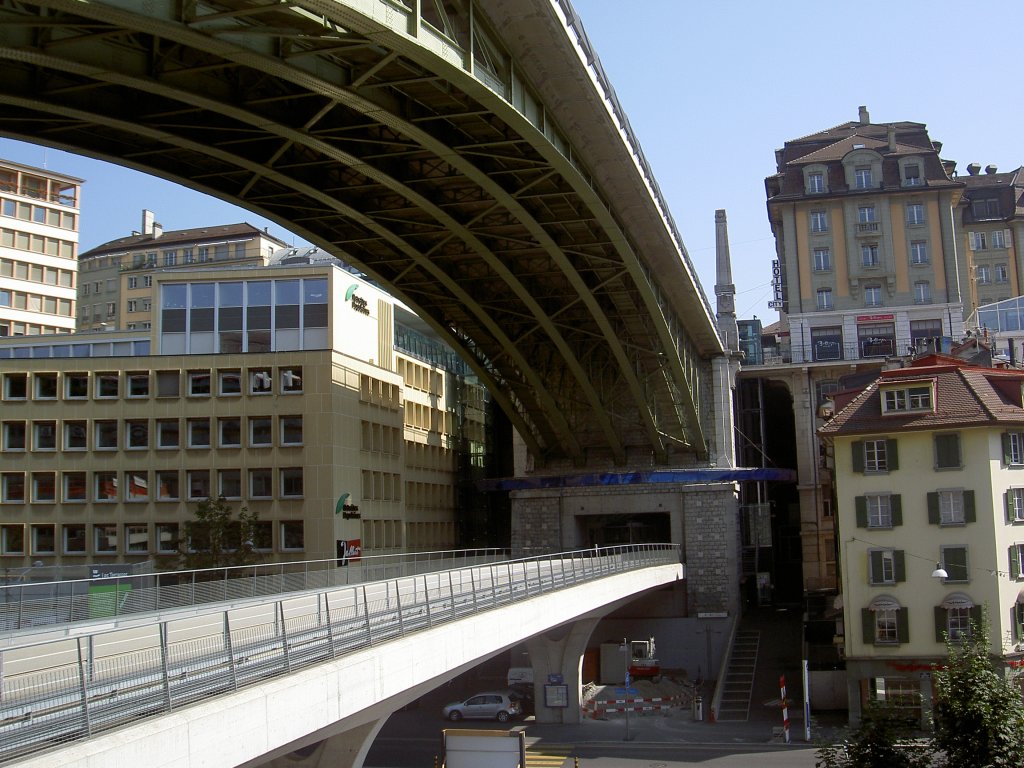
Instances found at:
x=979 y=714
x=214 y=539
x=884 y=739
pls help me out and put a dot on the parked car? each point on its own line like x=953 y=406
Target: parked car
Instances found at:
x=489 y=705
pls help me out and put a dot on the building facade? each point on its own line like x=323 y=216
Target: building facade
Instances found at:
x=39 y=220
x=285 y=389
x=116 y=286
x=929 y=470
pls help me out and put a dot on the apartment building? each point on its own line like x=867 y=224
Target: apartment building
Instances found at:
x=116 y=285
x=39 y=221
x=292 y=389
x=929 y=472
x=991 y=227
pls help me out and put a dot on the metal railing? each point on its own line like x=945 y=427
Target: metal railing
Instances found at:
x=27 y=604
x=73 y=688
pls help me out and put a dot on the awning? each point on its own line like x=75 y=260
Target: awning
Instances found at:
x=957 y=600
x=884 y=603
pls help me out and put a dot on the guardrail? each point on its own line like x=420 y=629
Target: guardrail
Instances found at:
x=73 y=688
x=30 y=605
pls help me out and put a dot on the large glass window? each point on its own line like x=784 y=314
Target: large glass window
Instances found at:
x=876 y=339
x=827 y=343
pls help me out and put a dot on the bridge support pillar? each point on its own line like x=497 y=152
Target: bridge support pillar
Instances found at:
x=560 y=652
x=344 y=750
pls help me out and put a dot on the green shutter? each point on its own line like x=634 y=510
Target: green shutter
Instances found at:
x=896 y=506
x=867 y=620
x=902 y=626
x=874 y=567
x=1007 y=507
x=954 y=560
x=1007 y=454
x=892 y=456
x=1014 y=563
x=1018 y=621
x=899 y=565
x=976 y=619
x=933 y=508
x=860 y=503
x=940 y=624
x=858 y=456
x=970 y=515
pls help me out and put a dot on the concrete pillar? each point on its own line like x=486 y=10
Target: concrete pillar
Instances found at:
x=560 y=652
x=344 y=750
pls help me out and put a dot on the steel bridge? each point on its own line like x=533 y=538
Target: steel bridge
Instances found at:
x=469 y=155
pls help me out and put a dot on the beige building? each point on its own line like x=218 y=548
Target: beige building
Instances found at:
x=38 y=250
x=115 y=290
x=298 y=390
x=929 y=469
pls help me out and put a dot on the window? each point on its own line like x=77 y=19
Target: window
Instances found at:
x=106 y=436
x=107 y=385
x=866 y=214
x=983 y=273
x=167 y=433
x=947 y=451
x=230 y=382
x=987 y=208
x=166 y=538
x=915 y=213
x=44 y=487
x=998 y=239
x=290 y=429
x=137 y=434
x=824 y=301
x=138 y=384
x=292 y=535
x=136 y=538
x=874 y=456
x=12 y=487
x=260 y=382
x=1002 y=275
x=869 y=254
x=15 y=386
x=133 y=282
x=1015 y=505
x=74 y=487
x=819 y=221
x=291 y=380
x=44 y=435
x=876 y=339
x=827 y=343
x=1016 y=563
x=977 y=241
x=44 y=540
x=261 y=484
x=886 y=566
x=76 y=386
x=958 y=622
x=230 y=432
x=291 y=483
x=74 y=436
x=953 y=506
x=104 y=538
x=46 y=386
x=133 y=305
x=862 y=177
x=14 y=435
x=918 y=252
x=912 y=176
x=229 y=483
x=167 y=485
x=259 y=431
x=73 y=538
x=922 y=292
x=12 y=539
x=878 y=510
x=885 y=623
x=1013 y=448
x=822 y=259
x=198 y=484
x=198 y=433
x=199 y=384
x=136 y=485
x=815 y=182
x=105 y=486
x=954 y=562
x=873 y=295
x=168 y=383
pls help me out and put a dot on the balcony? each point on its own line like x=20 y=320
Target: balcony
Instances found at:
x=867 y=228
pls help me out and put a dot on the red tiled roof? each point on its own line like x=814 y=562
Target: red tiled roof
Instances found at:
x=964 y=396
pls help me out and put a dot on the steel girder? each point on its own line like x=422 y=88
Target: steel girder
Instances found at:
x=397 y=136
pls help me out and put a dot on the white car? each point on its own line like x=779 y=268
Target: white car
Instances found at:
x=490 y=705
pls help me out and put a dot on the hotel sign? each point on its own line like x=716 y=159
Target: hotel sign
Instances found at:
x=779 y=300
x=874 y=318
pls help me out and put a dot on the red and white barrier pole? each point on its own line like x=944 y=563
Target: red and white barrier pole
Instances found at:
x=785 y=708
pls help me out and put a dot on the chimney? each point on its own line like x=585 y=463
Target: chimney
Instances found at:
x=892 y=137
x=862 y=113
x=147 y=222
x=779 y=159
x=973 y=168
x=990 y=169
x=158 y=229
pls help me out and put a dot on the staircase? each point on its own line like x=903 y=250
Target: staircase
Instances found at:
x=739 y=677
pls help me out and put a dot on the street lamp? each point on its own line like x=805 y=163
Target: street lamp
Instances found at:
x=939 y=572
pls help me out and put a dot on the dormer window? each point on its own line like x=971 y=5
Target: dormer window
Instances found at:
x=815 y=182
x=862 y=175
x=912 y=175
x=903 y=399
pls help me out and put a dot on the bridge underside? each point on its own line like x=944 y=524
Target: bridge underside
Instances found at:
x=402 y=139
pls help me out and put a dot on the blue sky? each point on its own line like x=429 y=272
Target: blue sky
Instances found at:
x=712 y=89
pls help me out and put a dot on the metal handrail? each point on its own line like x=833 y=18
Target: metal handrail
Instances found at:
x=60 y=691
x=31 y=605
